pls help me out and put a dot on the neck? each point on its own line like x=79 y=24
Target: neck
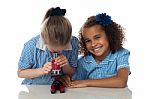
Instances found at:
x=102 y=57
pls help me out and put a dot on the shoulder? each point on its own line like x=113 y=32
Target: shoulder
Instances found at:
x=118 y=54
x=74 y=40
x=32 y=41
x=122 y=51
x=83 y=59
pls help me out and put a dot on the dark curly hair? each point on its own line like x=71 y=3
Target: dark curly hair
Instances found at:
x=114 y=33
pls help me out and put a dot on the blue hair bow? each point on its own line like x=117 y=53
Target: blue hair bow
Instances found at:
x=103 y=19
x=58 y=12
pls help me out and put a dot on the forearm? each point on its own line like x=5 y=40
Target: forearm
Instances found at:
x=68 y=70
x=30 y=73
x=113 y=82
x=118 y=81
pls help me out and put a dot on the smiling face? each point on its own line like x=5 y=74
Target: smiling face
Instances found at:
x=96 y=41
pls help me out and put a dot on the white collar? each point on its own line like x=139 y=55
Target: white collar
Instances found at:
x=40 y=44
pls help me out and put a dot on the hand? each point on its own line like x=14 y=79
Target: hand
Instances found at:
x=78 y=84
x=61 y=60
x=47 y=68
x=66 y=80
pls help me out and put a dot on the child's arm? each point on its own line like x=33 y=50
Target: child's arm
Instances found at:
x=68 y=70
x=33 y=73
x=118 y=81
x=63 y=62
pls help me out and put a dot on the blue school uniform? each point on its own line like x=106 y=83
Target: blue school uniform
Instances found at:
x=88 y=68
x=35 y=54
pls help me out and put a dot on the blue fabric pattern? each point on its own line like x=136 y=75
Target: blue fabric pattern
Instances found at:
x=33 y=57
x=88 y=68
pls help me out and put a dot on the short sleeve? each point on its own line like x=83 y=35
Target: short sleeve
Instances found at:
x=27 y=55
x=123 y=59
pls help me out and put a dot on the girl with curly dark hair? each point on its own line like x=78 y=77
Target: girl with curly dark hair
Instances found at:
x=104 y=62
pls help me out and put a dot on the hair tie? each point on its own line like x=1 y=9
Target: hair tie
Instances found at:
x=58 y=12
x=103 y=19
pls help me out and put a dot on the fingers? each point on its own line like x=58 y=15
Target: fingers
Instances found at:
x=73 y=84
x=63 y=81
x=47 y=67
x=61 y=60
x=78 y=84
x=66 y=80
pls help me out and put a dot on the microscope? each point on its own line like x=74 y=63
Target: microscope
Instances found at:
x=56 y=73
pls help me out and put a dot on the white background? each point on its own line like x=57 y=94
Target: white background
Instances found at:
x=20 y=20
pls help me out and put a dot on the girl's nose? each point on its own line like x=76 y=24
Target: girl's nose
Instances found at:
x=93 y=43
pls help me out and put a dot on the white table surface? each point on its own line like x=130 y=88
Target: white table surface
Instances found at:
x=43 y=92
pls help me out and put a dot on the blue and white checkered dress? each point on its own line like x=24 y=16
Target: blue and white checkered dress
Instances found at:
x=88 y=68
x=35 y=55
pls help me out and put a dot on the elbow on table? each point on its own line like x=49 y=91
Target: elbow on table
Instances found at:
x=122 y=84
x=19 y=74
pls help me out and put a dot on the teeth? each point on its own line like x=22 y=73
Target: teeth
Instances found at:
x=97 y=49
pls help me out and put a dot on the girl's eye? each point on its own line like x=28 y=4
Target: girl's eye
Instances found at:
x=97 y=37
x=86 y=41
